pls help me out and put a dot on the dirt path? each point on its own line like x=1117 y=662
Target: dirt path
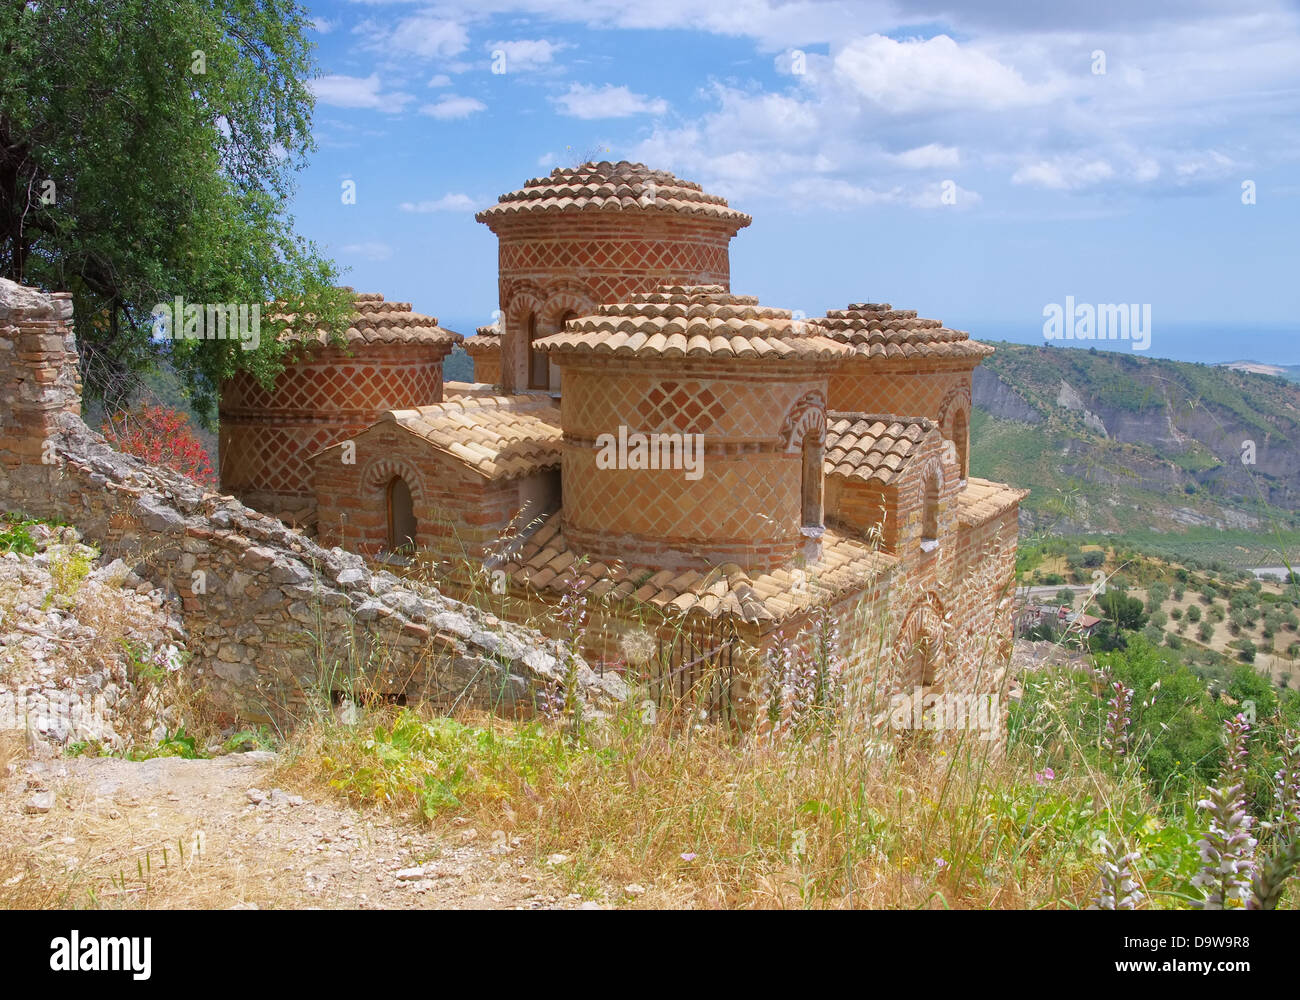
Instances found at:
x=80 y=832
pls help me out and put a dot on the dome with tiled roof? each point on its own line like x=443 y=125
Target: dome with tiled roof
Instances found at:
x=877 y=330
x=694 y=321
x=486 y=340
x=378 y=322
x=612 y=187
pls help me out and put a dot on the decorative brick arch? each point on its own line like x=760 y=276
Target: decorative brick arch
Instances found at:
x=954 y=423
x=378 y=473
x=561 y=299
x=808 y=415
x=956 y=397
x=922 y=642
x=519 y=299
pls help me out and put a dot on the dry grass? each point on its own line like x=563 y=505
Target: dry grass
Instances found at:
x=698 y=819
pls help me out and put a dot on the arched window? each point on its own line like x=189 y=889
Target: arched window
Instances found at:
x=961 y=438
x=813 y=479
x=401 y=516
x=930 y=515
x=539 y=365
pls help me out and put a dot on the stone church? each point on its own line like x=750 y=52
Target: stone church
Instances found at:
x=717 y=484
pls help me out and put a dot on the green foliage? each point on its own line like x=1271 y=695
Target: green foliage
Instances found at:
x=172 y=744
x=434 y=764
x=166 y=181
x=16 y=538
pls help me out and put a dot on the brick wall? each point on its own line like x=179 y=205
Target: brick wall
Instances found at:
x=549 y=266
x=268 y=436
x=908 y=389
x=744 y=508
x=460 y=515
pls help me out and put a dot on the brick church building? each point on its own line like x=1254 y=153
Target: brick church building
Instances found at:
x=719 y=484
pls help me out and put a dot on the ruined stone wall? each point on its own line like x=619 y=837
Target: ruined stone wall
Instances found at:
x=272 y=618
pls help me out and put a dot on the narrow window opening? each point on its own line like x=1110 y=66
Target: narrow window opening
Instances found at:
x=812 y=484
x=401 y=516
x=539 y=364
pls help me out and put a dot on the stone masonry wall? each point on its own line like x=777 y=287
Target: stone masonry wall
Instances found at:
x=271 y=616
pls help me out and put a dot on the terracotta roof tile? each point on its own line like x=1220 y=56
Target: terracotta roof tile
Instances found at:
x=871 y=448
x=503 y=437
x=702 y=321
x=877 y=330
x=486 y=340
x=611 y=187
x=378 y=322
x=982 y=500
x=846 y=564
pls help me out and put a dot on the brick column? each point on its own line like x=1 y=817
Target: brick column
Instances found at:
x=39 y=380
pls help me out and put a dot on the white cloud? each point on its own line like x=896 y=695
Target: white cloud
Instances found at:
x=608 y=101
x=931 y=74
x=358 y=92
x=546 y=160
x=524 y=54
x=370 y=251
x=424 y=36
x=450 y=202
x=452 y=107
x=928 y=156
x=1064 y=173
x=440 y=80
x=323 y=25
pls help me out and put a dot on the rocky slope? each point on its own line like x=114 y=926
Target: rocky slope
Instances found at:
x=1149 y=444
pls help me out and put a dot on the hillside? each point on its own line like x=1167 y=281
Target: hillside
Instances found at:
x=1117 y=443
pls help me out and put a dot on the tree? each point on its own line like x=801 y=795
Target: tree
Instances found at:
x=1125 y=612
x=1065 y=597
x=147 y=148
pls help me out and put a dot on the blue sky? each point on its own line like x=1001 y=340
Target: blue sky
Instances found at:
x=840 y=126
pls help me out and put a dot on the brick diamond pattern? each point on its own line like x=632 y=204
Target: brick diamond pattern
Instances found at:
x=599 y=404
x=657 y=256
x=688 y=407
x=749 y=498
x=343 y=386
x=857 y=389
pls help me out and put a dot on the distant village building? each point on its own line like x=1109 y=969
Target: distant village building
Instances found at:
x=1058 y=618
x=726 y=490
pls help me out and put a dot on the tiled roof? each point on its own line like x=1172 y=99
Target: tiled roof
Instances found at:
x=693 y=321
x=612 y=187
x=380 y=322
x=486 y=340
x=546 y=563
x=877 y=330
x=982 y=499
x=871 y=448
x=503 y=437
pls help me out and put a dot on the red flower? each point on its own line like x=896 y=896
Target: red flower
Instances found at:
x=161 y=436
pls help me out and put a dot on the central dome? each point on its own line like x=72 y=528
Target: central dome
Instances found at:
x=612 y=187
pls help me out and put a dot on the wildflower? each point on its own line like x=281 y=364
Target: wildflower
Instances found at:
x=1228 y=850
x=1116 y=737
x=1118 y=889
x=1046 y=774
x=688 y=855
